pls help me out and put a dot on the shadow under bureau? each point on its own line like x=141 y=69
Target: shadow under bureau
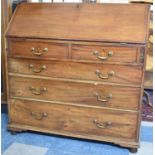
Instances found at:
x=78 y=70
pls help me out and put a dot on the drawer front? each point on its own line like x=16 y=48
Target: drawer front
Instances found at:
x=73 y=119
x=81 y=71
x=105 y=53
x=38 y=49
x=75 y=92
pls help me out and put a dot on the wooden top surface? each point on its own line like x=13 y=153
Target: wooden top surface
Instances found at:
x=86 y=22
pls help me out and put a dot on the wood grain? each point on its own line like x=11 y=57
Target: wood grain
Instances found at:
x=78 y=93
x=23 y=48
x=77 y=120
x=120 y=54
x=93 y=22
x=78 y=70
x=67 y=96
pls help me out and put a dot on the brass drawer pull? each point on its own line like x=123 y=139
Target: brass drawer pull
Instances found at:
x=38 y=116
x=38 y=52
x=40 y=69
x=101 y=76
x=108 y=54
x=102 y=125
x=36 y=91
x=106 y=98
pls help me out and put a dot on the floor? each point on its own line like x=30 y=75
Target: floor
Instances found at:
x=30 y=143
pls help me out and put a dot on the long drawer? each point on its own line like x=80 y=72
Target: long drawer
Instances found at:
x=82 y=71
x=73 y=119
x=38 y=49
x=75 y=92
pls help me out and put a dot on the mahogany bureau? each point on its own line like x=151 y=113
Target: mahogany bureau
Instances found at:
x=78 y=70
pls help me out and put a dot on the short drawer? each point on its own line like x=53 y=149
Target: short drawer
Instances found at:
x=74 y=119
x=93 y=94
x=113 y=54
x=37 y=49
x=81 y=71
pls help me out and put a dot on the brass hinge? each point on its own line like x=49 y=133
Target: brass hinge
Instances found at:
x=123 y=43
x=142 y=57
